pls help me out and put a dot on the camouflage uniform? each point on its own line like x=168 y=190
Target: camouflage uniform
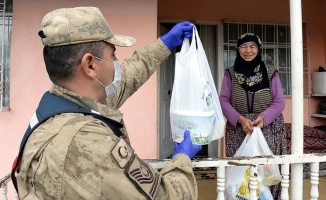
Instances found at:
x=73 y=156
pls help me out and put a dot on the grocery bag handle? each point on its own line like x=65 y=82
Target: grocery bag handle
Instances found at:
x=185 y=45
x=195 y=40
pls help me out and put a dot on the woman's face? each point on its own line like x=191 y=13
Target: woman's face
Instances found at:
x=248 y=51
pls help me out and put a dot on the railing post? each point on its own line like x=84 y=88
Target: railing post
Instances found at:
x=285 y=181
x=220 y=182
x=4 y=190
x=15 y=195
x=314 y=193
x=253 y=182
x=297 y=96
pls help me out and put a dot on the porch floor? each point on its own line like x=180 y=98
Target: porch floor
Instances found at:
x=207 y=188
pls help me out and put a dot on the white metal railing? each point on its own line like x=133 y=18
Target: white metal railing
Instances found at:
x=4 y=187
x=221 y=163
x=285 y=161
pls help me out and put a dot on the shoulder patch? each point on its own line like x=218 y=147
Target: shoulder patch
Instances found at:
x=147 y=178
x=122 y=153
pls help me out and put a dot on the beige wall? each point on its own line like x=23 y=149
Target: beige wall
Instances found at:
x=29 y=79
x=219 y=10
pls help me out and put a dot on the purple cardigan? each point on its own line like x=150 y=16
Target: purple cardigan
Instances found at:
x=270 y=114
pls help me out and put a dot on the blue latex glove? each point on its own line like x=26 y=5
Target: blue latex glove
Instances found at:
x=186 y=146
x=176 y=35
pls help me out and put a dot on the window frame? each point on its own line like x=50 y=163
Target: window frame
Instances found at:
x=5 y=38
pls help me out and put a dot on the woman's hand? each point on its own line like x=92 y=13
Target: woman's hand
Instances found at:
x=259 y=122
x=246 y=124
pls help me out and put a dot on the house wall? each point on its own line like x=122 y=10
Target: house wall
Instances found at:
x=136 y=18
x=219 y=10
x=29 y=79
x=323 y=26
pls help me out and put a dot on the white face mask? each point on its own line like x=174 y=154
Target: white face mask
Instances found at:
x=113 y=87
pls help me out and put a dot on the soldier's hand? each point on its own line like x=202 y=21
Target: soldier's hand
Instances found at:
x=186 y=146
x=176 y=35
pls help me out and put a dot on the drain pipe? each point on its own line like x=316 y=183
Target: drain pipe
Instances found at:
x=297 y=96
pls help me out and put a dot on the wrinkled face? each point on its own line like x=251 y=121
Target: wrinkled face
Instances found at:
x=248 y=51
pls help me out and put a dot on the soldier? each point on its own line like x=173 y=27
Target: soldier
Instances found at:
x=77 y=146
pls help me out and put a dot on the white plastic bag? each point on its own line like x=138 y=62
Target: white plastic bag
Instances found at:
x=237 y=177
x=195 y=104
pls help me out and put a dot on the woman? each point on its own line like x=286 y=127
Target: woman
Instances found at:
x=252 y=95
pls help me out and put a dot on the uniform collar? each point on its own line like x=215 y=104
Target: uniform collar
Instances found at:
x=105 y=110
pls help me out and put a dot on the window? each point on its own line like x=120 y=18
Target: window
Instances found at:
x=5 y=33
x=276 y=48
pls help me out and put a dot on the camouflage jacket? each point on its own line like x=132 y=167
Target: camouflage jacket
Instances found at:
x=73 y=156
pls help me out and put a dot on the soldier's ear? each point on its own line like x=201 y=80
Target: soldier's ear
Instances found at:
x=88 y=65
